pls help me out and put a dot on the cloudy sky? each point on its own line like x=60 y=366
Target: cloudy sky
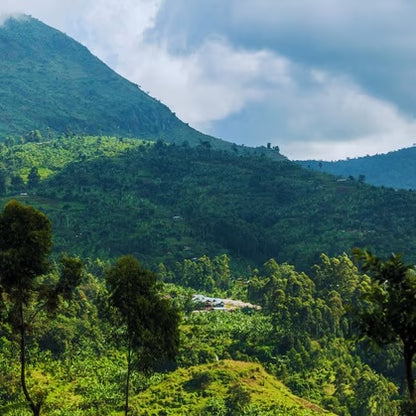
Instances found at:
x=323 y=79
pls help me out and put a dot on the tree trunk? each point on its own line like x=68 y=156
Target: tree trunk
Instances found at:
x=408 y=361
x=127 y=391
x=34 y=407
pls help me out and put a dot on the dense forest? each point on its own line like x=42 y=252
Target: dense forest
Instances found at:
x=217 y=223
x=107 y=197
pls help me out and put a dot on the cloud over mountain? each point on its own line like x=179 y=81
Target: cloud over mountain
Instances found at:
x=325 y=80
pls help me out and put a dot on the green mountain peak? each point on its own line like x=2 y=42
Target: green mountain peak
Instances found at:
x=50 y=81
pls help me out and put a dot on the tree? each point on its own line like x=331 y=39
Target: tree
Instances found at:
x=151 y=323
x=388 y=309
x=25 y=244
x=3 y=178
x=17 y=183
x=33 y=178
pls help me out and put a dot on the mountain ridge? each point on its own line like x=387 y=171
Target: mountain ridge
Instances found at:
x=395 y=169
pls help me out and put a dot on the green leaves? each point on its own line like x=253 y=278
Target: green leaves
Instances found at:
x=151 y=321
x=70 y=276
x=389 y=308
x=25 y=243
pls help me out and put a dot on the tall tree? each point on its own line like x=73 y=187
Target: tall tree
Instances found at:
x=388 y=310
x=3 y=178
x=151 y=322
x=25 y=244
x=33 y=178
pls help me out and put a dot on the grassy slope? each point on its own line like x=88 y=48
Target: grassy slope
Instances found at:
x=195 y=388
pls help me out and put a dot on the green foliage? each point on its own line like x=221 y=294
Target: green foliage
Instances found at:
x=186 y=210
x=170 y=203
x=38 y=160
x=25 y=242
x=222 y=388
x=174 y=207
x=82 y=363
x=70 y=91
x=313 y=325
x=202 y=274
x=33 y=178
x=394 y=169
x=388 y=310
x=151 y=322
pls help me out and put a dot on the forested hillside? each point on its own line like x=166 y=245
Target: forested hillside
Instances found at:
x=107 y=197
x=49 y=82
x=394 y=169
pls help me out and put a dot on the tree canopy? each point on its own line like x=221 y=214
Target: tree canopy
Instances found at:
x=388 y=309
x=25 y=244
x=151 y=323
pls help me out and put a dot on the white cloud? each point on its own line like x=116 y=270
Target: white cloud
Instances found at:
x=114 y=29
x=60 y=14
x=209 y=84
x=219 y=65
x=323 y=116
x=4 y=16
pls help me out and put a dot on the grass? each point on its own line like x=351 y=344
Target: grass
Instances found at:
x=205 y=389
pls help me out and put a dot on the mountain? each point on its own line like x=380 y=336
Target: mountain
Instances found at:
x=50 y=82
x=394 y=169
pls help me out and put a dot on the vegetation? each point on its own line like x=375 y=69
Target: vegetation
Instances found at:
x=394 y=169
x=223 y=388
x=166 y=203
x=389 y=308
x=151 y=323
x=304 y=336
x=25 y=242
x=207 y=216
x=68 y=90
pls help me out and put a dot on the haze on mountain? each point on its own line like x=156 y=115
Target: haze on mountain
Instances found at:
x=48 y=81
x=324 y=80
x=394 y=169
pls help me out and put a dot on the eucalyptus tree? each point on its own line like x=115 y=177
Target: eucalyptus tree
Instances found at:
x=150 y=321
x=388 y=308
x=25 y=290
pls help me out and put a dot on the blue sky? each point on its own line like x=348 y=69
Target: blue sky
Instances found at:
x=323 y=79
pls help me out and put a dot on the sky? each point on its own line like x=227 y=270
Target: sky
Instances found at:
x=321 y=79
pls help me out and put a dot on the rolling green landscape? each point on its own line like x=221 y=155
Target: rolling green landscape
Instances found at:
x=86 y=329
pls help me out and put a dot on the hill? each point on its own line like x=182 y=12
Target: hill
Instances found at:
x=50 y=82
x=108 y=197
x=394 y=169
x=211 y=388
